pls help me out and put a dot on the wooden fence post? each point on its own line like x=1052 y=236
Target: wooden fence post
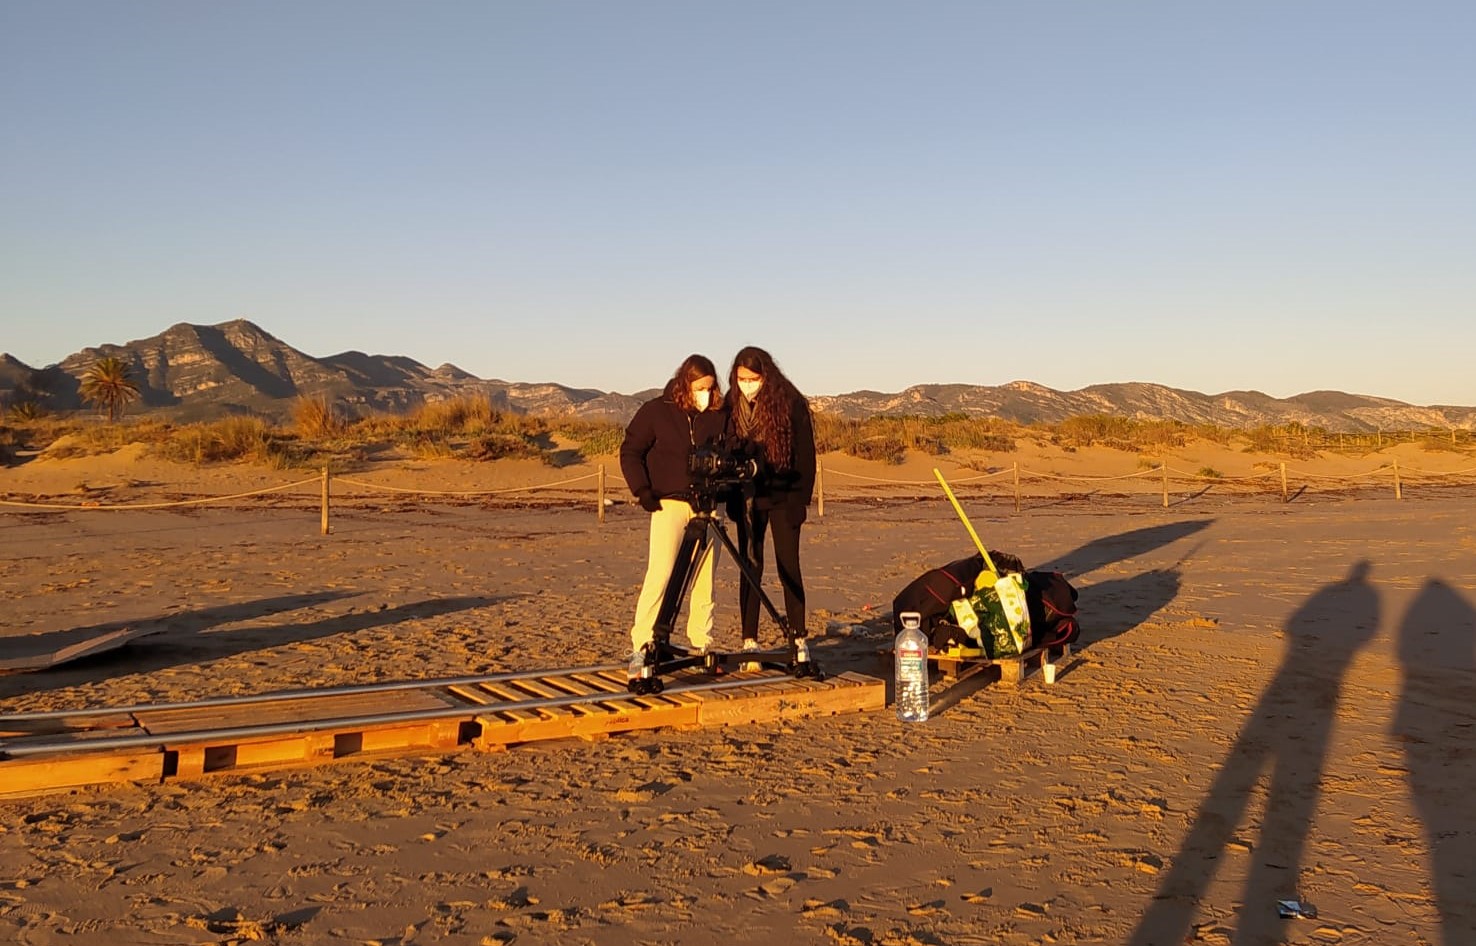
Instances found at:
x=1284 y=500
x=1398 y=490
x=600 y=493
x=820 y=489
x=1017 y=486
x=324 y=524
x=1164 y=469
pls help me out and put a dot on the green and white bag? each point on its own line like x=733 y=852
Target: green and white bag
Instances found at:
x=996 y=615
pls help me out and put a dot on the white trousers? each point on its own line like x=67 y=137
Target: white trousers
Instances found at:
x=667 y=529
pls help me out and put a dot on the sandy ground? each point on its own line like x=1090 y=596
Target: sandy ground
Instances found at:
x=1272 y=701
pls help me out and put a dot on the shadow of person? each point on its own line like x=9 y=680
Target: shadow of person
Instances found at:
x=1288 y=733
x=1437 y=652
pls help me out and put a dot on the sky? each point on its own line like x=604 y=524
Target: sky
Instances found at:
x=1276 y=196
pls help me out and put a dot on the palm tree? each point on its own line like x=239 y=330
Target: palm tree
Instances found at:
x=108 y=385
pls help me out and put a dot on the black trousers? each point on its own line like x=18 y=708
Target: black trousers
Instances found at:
x=783 y=522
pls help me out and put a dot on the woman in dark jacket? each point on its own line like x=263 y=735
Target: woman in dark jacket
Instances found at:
x=771 y=422
x=654 y=460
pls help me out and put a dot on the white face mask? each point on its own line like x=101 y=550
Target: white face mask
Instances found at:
x=702 y=399
x=750 y=388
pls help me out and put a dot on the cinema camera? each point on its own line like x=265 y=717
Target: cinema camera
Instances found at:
x=716 y=473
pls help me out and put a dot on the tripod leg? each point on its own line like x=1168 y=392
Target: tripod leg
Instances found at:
x=753 y=580
x=800 y=663
x=684 y=571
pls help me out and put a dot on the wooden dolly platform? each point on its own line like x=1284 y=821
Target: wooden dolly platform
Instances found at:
x=1012 y=670
x=50 y=751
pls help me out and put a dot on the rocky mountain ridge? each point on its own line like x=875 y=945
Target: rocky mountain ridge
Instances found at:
x=202 y=372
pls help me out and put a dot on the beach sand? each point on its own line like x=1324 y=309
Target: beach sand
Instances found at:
x=1272 y=701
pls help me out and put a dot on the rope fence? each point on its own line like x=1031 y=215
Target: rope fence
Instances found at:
x=1190 y=486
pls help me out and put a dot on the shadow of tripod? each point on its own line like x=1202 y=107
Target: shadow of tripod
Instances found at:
x=662 y=656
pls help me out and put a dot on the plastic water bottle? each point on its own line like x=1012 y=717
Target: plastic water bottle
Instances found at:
x=910 y=656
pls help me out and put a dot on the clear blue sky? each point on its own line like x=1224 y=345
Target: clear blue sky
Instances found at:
x=1273 y=195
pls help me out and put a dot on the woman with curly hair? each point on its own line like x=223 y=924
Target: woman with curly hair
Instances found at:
x=654 y=460
x=770 y=421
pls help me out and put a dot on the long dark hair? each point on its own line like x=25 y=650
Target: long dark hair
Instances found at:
x=679 y=388
x=773 y=406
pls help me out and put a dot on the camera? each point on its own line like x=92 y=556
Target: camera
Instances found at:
x=713 y=467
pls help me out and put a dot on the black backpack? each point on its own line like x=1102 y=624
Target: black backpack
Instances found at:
x=1052 y=603
x=932 y=593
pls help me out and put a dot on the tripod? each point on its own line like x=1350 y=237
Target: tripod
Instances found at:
x=661 y=656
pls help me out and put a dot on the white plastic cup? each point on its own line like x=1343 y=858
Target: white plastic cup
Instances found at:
x=1049 y=669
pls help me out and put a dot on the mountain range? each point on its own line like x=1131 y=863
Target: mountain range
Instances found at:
x=203 y=372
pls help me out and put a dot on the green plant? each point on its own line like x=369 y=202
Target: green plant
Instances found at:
x=595 y=439
x=501 y=446
x=108 y=385
x=1209 y=473
x=23 y=412
x=884 y=449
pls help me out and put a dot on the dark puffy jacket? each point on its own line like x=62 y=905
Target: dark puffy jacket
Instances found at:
x=792 y=486
x=658 y=441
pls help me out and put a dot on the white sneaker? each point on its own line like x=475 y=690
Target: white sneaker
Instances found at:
x=750 y=646
x=801 y=651
x=637 y=666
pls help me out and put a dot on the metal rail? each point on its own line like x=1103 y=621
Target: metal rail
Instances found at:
x=471 y=709
x=273 y=696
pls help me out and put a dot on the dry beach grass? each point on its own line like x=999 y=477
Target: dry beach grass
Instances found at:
x=1249 y=719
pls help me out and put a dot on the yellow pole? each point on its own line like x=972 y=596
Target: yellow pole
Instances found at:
x=600 y=494
x=1017 y=486
x=324 y=524
x=1398 y=490
x=1283 y=482
x=978 y=543
x=820 y=489
x=1163 y=468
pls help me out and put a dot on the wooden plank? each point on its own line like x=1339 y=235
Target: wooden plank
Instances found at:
x=81 y=725
x=43 y=651
x=794 y=698
x=1012 y=670
x=429 y=734
x=301 y=710
x=504 y=694
x=622 y=715
x=194 y=760
x=472 y=694
x=543 y=690
x=651 y=712
x=21 y=777
x=613 y=682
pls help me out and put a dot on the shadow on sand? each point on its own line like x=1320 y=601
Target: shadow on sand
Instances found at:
x=1287 y=733
x=1108 y=550
x=185 y=638
x=1436 y=725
